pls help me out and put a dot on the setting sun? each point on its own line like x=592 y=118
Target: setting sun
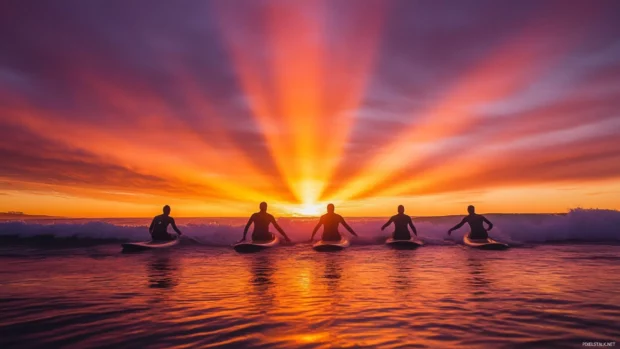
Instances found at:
x=308 y=210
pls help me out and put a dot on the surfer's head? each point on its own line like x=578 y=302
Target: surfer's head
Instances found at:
x=331 y=208
x=401 y=209
x=166 y=210
x=263 y=206
x=471 y=209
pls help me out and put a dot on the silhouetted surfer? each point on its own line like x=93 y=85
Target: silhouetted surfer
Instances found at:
x=261 y=222
x=159 y=226
x=475 y=224
x=330 y=222
x=401 y=222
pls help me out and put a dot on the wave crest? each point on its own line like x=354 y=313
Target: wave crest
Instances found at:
x=584 y=225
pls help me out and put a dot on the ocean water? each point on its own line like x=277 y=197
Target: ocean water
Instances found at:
x=66 y=284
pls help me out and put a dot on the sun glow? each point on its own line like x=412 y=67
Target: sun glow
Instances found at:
x=308 y=210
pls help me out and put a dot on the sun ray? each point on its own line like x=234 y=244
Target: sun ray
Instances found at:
x=210 y=119
x=305 y=129
x=499 y=76
x=134 y=149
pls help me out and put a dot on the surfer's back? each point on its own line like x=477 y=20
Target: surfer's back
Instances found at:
x=261 y=221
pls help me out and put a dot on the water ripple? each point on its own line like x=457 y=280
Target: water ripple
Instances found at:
x=366 y=297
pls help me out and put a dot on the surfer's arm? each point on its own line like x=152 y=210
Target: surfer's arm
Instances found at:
x=316 y=228
x=347 y=226
x=386 y=224
x=247 y=226
x=275 y=224
x=488 y=222
x=152 y=225
x=458 y=225
x=174 y=226
x=413 y=227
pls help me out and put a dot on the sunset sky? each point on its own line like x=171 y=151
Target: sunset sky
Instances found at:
x=115 y=108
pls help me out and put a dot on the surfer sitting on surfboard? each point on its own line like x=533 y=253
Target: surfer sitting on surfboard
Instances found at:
x=401 y=221
x=159 y=226
x=330 y=222
x=261 y=222
x=475 y=224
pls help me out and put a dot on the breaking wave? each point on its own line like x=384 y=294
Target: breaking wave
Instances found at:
x=578 y=225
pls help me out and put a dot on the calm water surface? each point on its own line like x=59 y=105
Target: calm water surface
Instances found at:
x=292 y=297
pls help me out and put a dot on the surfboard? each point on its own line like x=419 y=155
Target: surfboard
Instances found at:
x=148 y=245
x=330 y=246
x=255 y=246
x=484 y=244
x=408 y=244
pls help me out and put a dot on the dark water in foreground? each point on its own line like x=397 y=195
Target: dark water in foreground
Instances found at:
x=292 y=297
